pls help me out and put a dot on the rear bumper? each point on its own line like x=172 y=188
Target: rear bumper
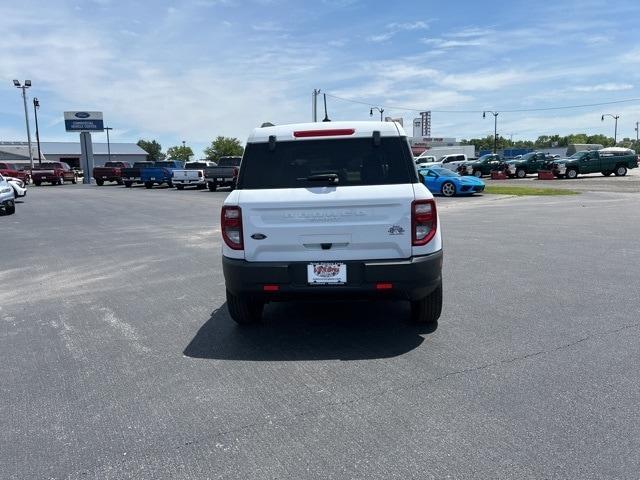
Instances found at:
x=412 y=279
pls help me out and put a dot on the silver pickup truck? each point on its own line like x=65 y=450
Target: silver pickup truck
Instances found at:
x=191 y=175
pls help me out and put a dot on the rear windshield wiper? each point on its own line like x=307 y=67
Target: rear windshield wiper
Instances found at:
x=322 y=177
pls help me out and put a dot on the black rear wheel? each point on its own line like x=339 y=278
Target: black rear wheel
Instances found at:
x=621 y=171
x=128 y=184
x=427 y=311
x=99 y=182
x=212 y=186
x=180 y=187
x=148 y=184
x=244 y=310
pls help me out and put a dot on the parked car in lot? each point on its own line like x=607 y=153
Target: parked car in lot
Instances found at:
x=614 y=160
x=330 y=210
x=131 y=175
x=7 y=197
x=225 y=174
x=425 y=159
x=19 y=187
x=55 y=173
x=15 y=171
x=160 y=172
x=110 y=172
x=481 y=166
x=192 y=175
x=530 y=163
x=448 y=183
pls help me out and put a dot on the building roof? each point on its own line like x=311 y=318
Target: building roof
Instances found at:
x=69 y=148
x=99 y=148
x=17 y=150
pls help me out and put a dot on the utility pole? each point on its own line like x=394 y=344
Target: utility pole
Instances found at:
x=27 y=84
x=36 y=106
x=615 y=132
x=314 y=104
x=637 y=129
x=495 y=128
x=108 y=144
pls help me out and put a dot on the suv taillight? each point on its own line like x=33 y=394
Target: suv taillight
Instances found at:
x=235 y=171
x=424 y=221
x=231 y=226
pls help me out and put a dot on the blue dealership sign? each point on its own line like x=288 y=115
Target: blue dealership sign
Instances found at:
x=83 y=121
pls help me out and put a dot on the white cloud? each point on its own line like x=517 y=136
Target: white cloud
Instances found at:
x=382 y=37
x=484 y=80
x=418 y=25
x=604 y=87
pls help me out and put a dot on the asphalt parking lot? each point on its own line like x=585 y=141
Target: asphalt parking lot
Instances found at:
x=119 y=359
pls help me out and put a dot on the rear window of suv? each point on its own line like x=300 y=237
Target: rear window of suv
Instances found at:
x=355 y=161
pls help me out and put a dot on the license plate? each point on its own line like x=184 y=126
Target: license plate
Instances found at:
x=152 y=178
x=327 y=273
x=104 y=176
x=220 y=179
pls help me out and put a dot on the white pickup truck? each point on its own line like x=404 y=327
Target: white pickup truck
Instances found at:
x=191 y=175
x=326 y=211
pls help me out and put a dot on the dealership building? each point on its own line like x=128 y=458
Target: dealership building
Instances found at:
x=69 y=152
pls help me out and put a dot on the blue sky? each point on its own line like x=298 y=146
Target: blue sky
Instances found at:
x=195 y=69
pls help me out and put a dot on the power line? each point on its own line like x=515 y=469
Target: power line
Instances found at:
x=521 y=110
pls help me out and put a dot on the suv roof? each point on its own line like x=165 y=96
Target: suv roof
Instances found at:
x=360 y=129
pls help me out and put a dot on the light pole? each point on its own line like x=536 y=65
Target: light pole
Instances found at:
x=381 y=110
x=36 y=106
x=615 y=132
x=314 y=104
x=495 y=128
x=637 y=123
x=108 y=144
x=27 y=84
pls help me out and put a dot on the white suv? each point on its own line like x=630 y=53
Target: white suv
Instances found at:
x=330 y=210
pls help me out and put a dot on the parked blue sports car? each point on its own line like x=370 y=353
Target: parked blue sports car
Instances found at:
x=449 y=183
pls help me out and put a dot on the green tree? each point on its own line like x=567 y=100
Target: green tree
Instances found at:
x=223 y=147
x=153 y=149
x=180 y=152
x=601 y=139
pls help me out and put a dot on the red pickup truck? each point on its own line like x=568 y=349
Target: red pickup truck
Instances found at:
x=55 y=173
x=111 y=172
x=13 y=170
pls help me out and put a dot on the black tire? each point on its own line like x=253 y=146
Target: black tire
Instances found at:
x=37 y=183
x=571 y=174
x=426 y=311
x=180 y=187
x=128 y=184
x=200 y=186
x=244 y=310
x=212 y=186
x=10 y=209
x=148 y=184
x=477 y=173
x=120 y=182
x=620 y=171
x=170 y=184
x=99 y=182
x=521 y=173
x=607 y=174
x=448 y=189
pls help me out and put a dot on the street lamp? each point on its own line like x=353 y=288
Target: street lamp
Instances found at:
x=36 y=106
x=495 y=128
x=615 y=132
x=381 y=110
x=27 y=84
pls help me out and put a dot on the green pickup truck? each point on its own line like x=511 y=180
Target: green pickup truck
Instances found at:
x=614 y=160
x=481 y=166
x=531 y=162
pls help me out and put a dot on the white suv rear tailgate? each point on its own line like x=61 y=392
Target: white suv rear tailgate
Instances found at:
x=350 y=223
